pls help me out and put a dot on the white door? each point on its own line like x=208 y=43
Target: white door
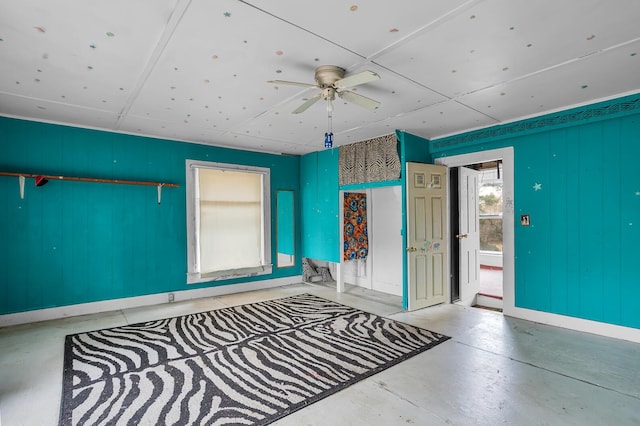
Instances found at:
x=469 y=235
x=426 y=235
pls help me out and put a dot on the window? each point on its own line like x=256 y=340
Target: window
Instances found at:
x=228 y=221
x=490 y=210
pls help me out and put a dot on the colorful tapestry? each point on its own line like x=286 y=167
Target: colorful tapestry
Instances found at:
x=356 y=241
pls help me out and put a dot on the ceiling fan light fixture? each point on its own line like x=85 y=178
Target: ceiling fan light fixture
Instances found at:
x=331 y=80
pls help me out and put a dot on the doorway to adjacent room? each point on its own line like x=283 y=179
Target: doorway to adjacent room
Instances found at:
x=495 y=256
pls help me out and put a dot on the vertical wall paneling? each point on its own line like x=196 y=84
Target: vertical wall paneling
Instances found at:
x=536 y=255
x=591 y=198
x=308 y=187
x=628 y=218
x=572 y=222
x=611 y=229
x=578 y=256
x=5 y=193
x=73 y=242
x=563 y=210
x=328 y=196
x=319 y=205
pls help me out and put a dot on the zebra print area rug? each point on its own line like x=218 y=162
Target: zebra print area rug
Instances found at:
x=249 y=364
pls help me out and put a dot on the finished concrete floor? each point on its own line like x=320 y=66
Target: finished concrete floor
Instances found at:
x=494 y=370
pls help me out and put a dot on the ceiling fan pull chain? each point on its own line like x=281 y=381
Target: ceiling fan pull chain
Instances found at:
x=328 y=137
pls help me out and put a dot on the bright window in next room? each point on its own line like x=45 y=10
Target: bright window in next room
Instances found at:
x=228 y=221
x=490 y=210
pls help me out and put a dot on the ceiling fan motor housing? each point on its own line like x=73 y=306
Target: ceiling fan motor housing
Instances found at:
x=326 y=75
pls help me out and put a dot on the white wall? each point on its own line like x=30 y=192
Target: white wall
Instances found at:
x=386 y=225
x=491 y=258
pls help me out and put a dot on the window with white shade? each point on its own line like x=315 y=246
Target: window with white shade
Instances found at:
x=228 y=221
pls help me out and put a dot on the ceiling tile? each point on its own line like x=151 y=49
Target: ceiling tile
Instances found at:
x=441 y=119
x=43 y=110
x=216 y=66
x=251 y=143
x=365 y=28
x=499 y=40
x=82 y=53
x=169 y=130
x=574 y=83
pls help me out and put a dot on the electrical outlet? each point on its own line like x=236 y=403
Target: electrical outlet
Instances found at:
x=171 y=297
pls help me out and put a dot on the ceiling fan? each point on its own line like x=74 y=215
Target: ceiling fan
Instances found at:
x=331 y=80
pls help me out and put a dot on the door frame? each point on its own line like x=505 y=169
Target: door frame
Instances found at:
x=508 y=224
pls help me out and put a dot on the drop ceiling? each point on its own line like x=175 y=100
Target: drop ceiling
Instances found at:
x=197 y=71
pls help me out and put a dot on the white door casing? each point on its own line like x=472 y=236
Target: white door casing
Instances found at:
x=508 y=240
x=469 y=235
x=426 y=235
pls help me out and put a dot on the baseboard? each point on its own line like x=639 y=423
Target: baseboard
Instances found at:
x=139 y=301
x=577 y=324
x=489 y=301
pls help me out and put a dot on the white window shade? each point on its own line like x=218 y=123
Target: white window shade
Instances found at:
x=228 y=221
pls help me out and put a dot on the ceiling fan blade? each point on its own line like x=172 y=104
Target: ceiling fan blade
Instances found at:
x=293 y=83
x=356 y=79
x=312 y=100
x=359 y=100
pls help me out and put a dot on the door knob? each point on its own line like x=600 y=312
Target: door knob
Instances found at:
x=411 y=249
x=461 y=236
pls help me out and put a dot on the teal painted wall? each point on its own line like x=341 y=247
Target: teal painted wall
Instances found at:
x=286 y=223
x=577 y=258
x=75 y=242
x=320 y=210
x=412 y=149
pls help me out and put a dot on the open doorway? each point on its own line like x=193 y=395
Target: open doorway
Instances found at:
x=490 y=203
x=496 y=253
x=476 y=192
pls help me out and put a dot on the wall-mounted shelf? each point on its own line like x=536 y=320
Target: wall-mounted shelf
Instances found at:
x=43 y=179
x=81 y=179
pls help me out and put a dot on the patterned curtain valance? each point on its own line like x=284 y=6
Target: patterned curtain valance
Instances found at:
x=372 y=160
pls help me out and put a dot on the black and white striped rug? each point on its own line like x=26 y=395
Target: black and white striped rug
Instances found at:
x=249 y=364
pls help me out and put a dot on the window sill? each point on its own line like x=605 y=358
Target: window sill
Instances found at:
x=197 y=278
